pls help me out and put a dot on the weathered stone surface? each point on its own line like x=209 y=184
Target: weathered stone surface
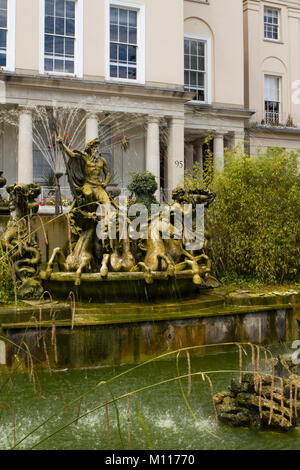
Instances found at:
x=264 y=406
x=277 y=421
x=244 y=418
x=237 y=387
x=219 y=397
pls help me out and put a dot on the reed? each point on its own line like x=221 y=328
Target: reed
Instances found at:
x=272 y=394
x=107 y=417
x=189 y=373
x=212 y=397
x=128 y=421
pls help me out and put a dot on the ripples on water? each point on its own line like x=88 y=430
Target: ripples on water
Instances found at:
x=168 y=421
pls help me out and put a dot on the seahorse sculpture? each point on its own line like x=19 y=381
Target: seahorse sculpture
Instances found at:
x=19 y=243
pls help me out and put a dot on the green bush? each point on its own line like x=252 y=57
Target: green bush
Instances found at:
x=255 y=220
x=144 y=185
x=6 y=282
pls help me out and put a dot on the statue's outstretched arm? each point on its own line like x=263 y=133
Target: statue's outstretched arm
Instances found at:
x=67 y=150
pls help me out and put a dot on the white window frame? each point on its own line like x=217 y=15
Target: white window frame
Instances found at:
x=78 y=59
x=208 y=66
x=11 y=37
x=279 y=23
x=140 y=65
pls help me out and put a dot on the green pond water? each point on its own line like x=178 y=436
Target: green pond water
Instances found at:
x=169 y=423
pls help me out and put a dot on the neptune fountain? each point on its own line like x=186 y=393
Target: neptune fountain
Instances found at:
x=105 y=249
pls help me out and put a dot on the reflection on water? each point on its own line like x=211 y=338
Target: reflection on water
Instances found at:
x=168 y=421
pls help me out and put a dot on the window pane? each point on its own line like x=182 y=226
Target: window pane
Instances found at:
x=193 y=47
x=114 y=15
x=132 y=54
x=193 y=78
x=3 y=4
x=59 y=65
x=123 y=54
x=123 y=34
x=200 y=63
x=59 y=26
x=113 y=33
x=59 y=8
x=132 y=35
x=2 y=60
x=49 y=24
x=3 y=19
x=200 y=79
x=70 y=12
x=186 y=46
x=186 y=61
x=200 y=95
x=48 y=65
x=123 y=17
x=59 y=46
x=132 y=18
x=132 y=73
x=2 y=38
x=201 y=48
x=49 y=7
x=113 y=71
x=69 y=66
x=69 y=47
x=194 y=62
x=113 y=52
x=70 y=27
x=49 y=44
x=123 y=72
x=186 y=77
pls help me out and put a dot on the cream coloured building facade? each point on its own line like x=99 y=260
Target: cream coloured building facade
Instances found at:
x=272 y=71
x=166 y=72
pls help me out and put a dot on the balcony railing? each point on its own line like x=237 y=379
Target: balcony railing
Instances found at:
x=275 y=119
x=272 y=118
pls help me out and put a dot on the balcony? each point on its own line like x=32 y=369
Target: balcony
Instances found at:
x=275 y=120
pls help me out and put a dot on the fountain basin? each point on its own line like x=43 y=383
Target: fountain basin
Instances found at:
x=106 y=334
x=121 y=286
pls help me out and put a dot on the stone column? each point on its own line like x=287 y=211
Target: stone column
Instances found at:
x=91 y=127
x=238 y=139
x=199 y=153
x=218 y=152
x=189 y=156
x=25 y=147
x=175 y=153
x=153 y=151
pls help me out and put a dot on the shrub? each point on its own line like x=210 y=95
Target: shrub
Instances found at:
x=254 y=222
x=144 y=185
x=6 y=282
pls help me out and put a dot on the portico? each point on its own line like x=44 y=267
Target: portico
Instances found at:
x=141 y=113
